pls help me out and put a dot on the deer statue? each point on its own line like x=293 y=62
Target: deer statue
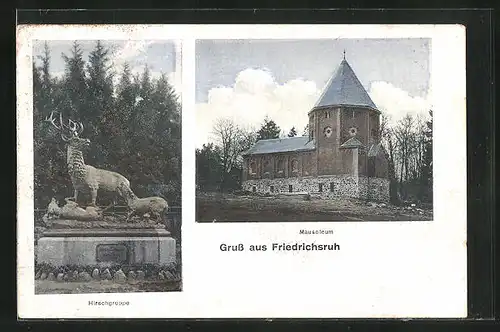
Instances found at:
x=71 y=211
x=154 y=206
x=85 y=178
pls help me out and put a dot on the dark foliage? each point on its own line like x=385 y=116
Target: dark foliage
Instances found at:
x=426 y=172
x=208 y=167
x=134 y=126
x=268 y=130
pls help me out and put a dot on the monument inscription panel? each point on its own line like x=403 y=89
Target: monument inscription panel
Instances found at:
x=116 y=253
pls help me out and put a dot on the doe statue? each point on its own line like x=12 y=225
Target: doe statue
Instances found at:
x=85 y=178
x=154 y=206
x=70 y=211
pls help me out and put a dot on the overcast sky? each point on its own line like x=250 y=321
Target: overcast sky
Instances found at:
x=160 y=56
x=249 y=79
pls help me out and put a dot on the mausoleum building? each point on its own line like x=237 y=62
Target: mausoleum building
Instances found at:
x=341 y=156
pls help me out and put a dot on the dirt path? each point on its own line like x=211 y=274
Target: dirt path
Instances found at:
x=218 y=208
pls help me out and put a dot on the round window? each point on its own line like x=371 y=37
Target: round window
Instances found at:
x=328 y=131
x=353 y=131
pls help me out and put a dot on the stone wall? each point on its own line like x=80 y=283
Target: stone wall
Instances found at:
x=379 y=188
x=324 y=186
x=354 y=117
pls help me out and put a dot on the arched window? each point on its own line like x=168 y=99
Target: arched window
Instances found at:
x=253 y=167
x=280 y=166
x=295 y=165
x=266 y=166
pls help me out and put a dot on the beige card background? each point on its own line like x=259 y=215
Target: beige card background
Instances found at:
x=384 y=269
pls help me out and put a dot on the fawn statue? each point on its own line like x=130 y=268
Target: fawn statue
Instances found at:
x=154 y=206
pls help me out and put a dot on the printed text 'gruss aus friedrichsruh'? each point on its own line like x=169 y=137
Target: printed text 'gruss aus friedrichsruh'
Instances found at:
x=282 y=247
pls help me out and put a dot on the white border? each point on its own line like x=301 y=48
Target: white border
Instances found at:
x=396 y=269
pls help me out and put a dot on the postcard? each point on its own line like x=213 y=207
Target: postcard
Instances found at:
x=241 y=171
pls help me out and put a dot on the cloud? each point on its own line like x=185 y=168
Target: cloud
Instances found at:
x=135 y=53
x=131 y=50
x=254 y=95
x=396 y=102
x=58 y=74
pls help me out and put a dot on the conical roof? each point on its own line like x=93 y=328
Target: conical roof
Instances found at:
x=344 y=88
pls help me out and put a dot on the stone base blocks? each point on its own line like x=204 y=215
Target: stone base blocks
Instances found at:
x=60 y=247
x=325 y=187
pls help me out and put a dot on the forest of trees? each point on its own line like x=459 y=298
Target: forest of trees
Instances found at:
x=407 y=143
x=133 y=123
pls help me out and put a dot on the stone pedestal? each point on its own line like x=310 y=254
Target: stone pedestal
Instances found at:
x=105 y=246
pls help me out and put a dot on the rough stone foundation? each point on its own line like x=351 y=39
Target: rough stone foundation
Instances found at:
x=378 y=189
x=331 y=186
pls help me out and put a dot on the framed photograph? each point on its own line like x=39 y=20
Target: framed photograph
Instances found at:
x=287 y=131
x=100 y=138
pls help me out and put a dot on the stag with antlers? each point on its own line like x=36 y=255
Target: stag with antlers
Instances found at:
x=85 y=178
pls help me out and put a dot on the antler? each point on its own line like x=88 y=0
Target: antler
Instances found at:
x=52 y=120
x=76 y=128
